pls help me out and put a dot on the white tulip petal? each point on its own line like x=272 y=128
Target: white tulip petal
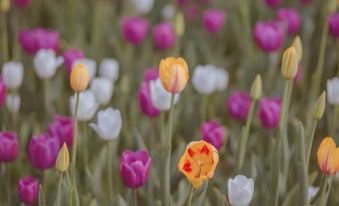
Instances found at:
x=333 y=91
x=143 y=6
x=90 y=65
x=87 y=105
x=161 y=99
x=13 y=73
x=102 y=89
x=109 y=68
x=109 y=124
x=240 y=190
x=13 y=102
x=46 y=63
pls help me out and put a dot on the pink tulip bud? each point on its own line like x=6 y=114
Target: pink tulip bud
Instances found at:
x=35 y=39
x=213 y=133
x=164 y=36
x=269 y=36
x=62 y=128
x=28 y=190
x=213 y=20
x=134 y=29
x=238 y=105
x=269 y=112
x=291 y=18
x=70 y=56
x=9 y=147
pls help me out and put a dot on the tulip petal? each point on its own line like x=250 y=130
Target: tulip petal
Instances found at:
x=128 y=175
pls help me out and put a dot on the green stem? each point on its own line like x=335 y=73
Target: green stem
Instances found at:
x=59 y=190
x=74 y=149
x=167 y=186
x=310 y=142
x=323 y=191
x=5 y=53
x=46 y=97
x=317 y=75
x=244 y=137
x=190 y=197
x=274 y=188
x=203 y=111
x=135 y=197
x=333 y=129
x=109 y=171
x=8 y=181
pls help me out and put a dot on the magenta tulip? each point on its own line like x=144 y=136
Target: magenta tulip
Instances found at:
x=28 y=190
x=238 y=105
x=213 y=132
x=9 y=147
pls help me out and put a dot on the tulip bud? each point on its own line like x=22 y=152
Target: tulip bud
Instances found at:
x=319 y=107
x=256 y=88
x=327 y=156
x=331 y=6
x=298 y=47
x=240 y=190
x=289 y=65
x=173 y=73
x=5 y=5
x=62 y=161
x=13 y=103
x=179 y=24
x=79 y=78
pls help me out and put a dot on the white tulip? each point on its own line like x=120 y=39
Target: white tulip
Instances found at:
x=312 y=191
x=13 y=102
x=109 y=68
x=13 y=74
x=204 y=79
x=87 y=105
x=333 y=91
x=161 y=99
x=102 y=89
x=240 y=190
x=46 y=63
x=222 y=79
x=108 y=124
x=143 y=6
x=168 y=12
x=90 y=64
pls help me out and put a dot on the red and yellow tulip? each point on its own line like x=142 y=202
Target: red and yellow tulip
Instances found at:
x=328 y=156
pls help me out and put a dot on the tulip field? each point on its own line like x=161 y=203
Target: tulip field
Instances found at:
x=169 y=103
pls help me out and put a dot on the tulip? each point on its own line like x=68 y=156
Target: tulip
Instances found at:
x=13 y=73
x=46 y=63
x=198 y=162
x=70 y=56
x=328 y=156
x=109 y=68
x=269 y=35
x=135 y=168
x=213 y=133
x=333 y=91
x=28 y=190
x=143 y=6
x=291 y=17
x=33 y=40
x=269 y=112
x=319 y=107
x=3 y=91
x=161 y=99
x=109 y=124
x=298 y=48
x=179 y=24
x=333 y=25
x=87 y=105
x=240 y=190
x=191 y=12
x=256 y=88
x=90 y=64
x=102 y=89
x=213 y=20
x=238 y=105
x=22 y=3
x=145 y=101
x=79 y=78
x=134 y=29
x=9 y=147
x=62 y=128
x=43 y=150
x=174 y=74
x=168 y=12
x=312 y=191
x=62 y=160
x=5 y=6
x=273 y=3
x=151 y=74
x=164 y=36
x=289 y=65
x=13 y=103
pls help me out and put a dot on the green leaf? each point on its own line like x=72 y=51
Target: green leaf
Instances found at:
x=42 y=201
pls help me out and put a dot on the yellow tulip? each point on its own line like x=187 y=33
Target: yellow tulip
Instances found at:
x=198 y=162
x=62 y=161
x=173 y=74
x=79 y=78
x=328 y=156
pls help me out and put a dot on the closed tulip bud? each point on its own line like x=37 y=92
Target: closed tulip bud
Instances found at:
x=319 y=107
x=179 y=24
x=13 y=103
x=109 y=68
x=5 y=5
x=79 y=78
x=331 y=6
x=90 y=64
x=289 y=65
x=298 y=47
x=256 y=88
x=28 y=190
x=62 y=161
x=240 y=190
x=13 y=74
x=109 y=124
x=174 y=74
x=46 y=63
x=102 y=89
x=9 y=147
x=328 y=156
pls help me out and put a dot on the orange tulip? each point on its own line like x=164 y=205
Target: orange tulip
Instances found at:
x=173 y=74
x=198 y=162
x=79 y=78
x=328 y=156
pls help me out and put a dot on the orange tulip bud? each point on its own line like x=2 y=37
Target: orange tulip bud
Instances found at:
x=173 y=74
x=79 y=78
x=328 y=156
x=198 y=162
